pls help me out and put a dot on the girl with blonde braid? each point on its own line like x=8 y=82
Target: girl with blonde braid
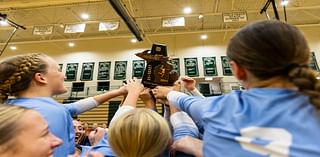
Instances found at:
x=33 y=79
x=279 y=114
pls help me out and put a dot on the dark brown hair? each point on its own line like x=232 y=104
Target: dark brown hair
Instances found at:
x=17 y=72
x=274 y=48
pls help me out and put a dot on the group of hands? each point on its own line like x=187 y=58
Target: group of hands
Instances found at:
x=159 y=92
x=133 y=86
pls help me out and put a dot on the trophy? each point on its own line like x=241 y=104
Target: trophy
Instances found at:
x=159 y=70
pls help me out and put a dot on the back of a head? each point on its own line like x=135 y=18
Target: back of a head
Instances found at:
x=10 y=127
x=18 y=71
x=139 y=133
x=273 y=48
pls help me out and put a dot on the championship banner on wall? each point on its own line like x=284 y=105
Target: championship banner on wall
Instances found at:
x=71 y=72
x=209 y=66
x=87 y=71
x=176 y=64
x=191 y=67
x=120 y=68
x=104 y=70
x=75 y=28
x=138 y=67
x=42 y=30
x=226 y=68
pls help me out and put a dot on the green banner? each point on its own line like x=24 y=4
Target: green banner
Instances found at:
x=209 y=66
x=226 y=68
x=191 y=67
x=313 y=62
x=71 y=72
x=104 y=71
x=87 y=71
x=120 y=68
x=138 y=67
x=176 y=64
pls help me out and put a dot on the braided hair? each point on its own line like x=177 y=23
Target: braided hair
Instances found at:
x=17 y=72
x=273 y=48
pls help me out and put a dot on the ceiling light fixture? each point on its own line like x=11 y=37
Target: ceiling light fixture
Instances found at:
x=134 y=40
x=187 y=10
x=71 y=44
x=284 y=2
x=85 y=16
x=13 y=48
x=204 y=36
x=4 y=23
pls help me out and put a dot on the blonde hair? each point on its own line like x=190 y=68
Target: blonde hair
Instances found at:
x=17 y=73
x=139 y=133
x=10 y=126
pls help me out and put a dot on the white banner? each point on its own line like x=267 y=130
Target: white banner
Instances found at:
x=108 y=26
x=75 y=28
x=173 y=22
x=42 y=30
x=235 y=17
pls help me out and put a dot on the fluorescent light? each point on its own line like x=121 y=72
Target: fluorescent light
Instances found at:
x=4 y=23
x=134 y=40
x=71 y=44
x=84 y=16
x=187 y=10
x=13 y=47
x=284 y=2
x=204 y=36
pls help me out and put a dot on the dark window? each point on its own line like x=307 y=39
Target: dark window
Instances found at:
x=103 y=86
x=77 y=87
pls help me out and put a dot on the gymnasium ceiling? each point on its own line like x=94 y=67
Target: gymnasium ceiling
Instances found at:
x=148 y=15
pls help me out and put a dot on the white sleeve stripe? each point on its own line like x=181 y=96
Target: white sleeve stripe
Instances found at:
x=85 y=104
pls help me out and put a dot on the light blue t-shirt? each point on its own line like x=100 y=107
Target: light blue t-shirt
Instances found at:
x=58 y=117
x=260 y=122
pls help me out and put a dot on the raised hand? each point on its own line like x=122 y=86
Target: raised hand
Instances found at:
x=161 y=92
x=188 y=83
x=134 y=85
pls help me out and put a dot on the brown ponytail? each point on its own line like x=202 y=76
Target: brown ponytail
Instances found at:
x=17 y=72
x=274 y=48
x=305 y=79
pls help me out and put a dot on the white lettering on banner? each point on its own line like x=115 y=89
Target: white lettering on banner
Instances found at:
x=279 y=141
x=235 y=17
x=42 y=30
